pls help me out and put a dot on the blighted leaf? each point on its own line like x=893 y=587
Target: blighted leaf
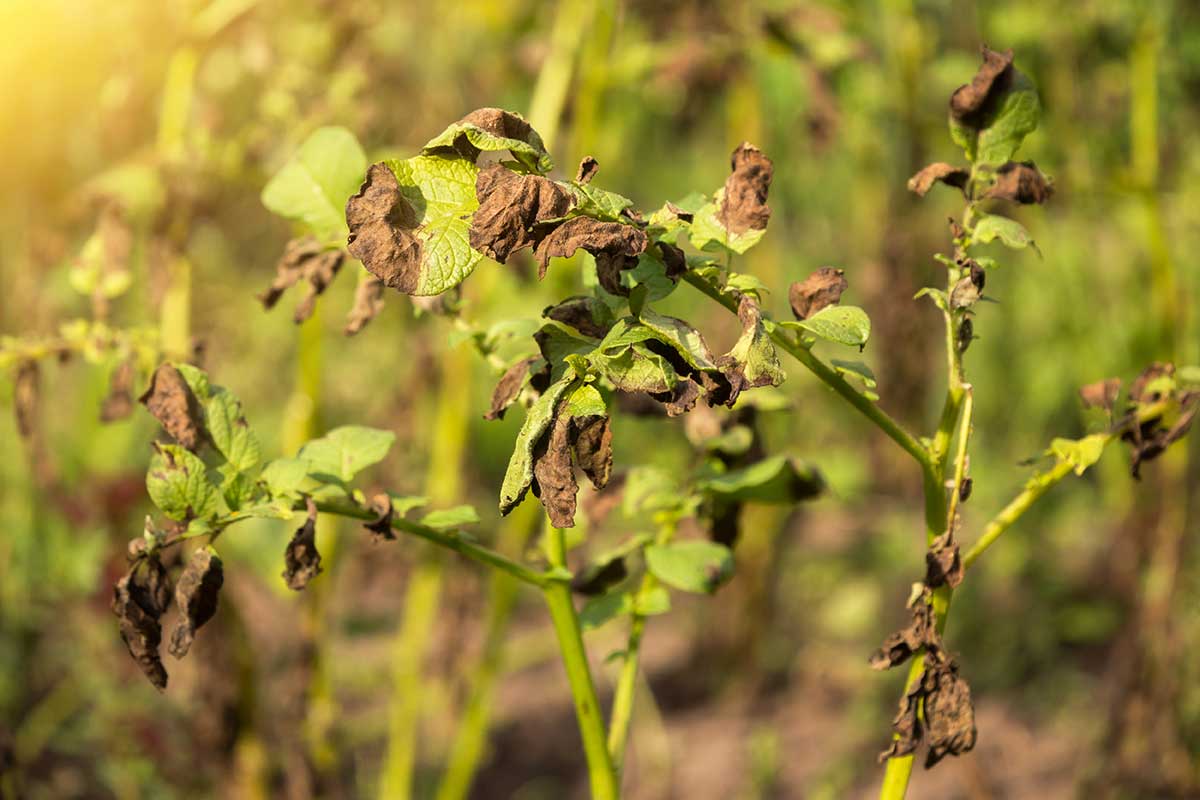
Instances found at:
x=511 y=206
x=519 y=474
x=303 y=562
x=1153 y=383
x=965 y=334
x=368 y=302
x=753 y=361
x=991 y=116
x=777 y=479
x=170 y=400
x=118 y=403
x=410 y=223
x=178 y=484
x=848 y=325
x=380 y=528
x=943 y=565
x=686 y=340
x=490 y=130
x=615 y=246
x=26 y=395
x=1022 y=183
x=906 y=642
x=1079 y=453
x=346 y=451
x=1101 y=394
x=821 y=289
x=593 y=447
x=586 y=314
x=638 y=369
x=196 y=596
x=744 y=205
x=140 y=598
x=1153 y=436
x=587 y=170
x=554 y=475
x=304 y=259
x=1010 y=232
x=312 y=188
x=509 y=387
x=229 y=431
x=949 y=713
x=969 y=100
x=692 y=566
x=942 y=172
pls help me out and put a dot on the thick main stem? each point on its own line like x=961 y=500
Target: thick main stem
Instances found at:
x=602 y=775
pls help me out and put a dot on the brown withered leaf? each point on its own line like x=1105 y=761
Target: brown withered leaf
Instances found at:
x=381 y=225
x=381 y=527
x=511 y=206
x=674 y=259
x=118 y=403
x=965 y=334
x=964 y=489
x=907 y=729
x=906 y=642
x=942 y=562
x=593 y=448
x=1021 y=182
x=303 y=259
x=587 y=170
x=1101 y=394
x=170 y=400
x=583 y=313
x=368 y=302
x=140 y=598
x=965 y=293
x=498 y=122
x=948 y=174
x=599 y=576
x=744 y=206
x=509 y=387
x=970 y=101
x=614 y=244
x=1140 y=391
x=303 y=562
x=820 y=289
x=1151 y=439
x=681 y=399
x=26 y=394
x=553 y=474
x=949 y=712
x=196 y=596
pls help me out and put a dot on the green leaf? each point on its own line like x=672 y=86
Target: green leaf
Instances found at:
x=1189 y=376
x=692 y=566
x=284 y=476
x=586 y=401
x=1012 y=233
x=238 y=488
x=449 y=518
x=778 y=479
x=230 y=432
x=847 y=325
x=637 y=369
x=1079 y=453
x=520 y=466
x=313 y=187
x=651 y=603
x=345 y=451
x=708 y=233
x=196 y=379
x=592 y=201
x=441 y=191
x=681 y=336
x=178 y=484
x=600 y=610
x=859 y=371
x=528 y=150
x=1002 y=130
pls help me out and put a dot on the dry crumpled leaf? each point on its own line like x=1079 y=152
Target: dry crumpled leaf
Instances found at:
x=965 y=334
x=508 y=389
x=368 y=302
x=583 y=313
x=614 y=244
x=942 y=562
x=904 y=643
x=1021 y=182
x=907 y=729
x=949 y=712
x=948 y=174
x=498 y=122
x=303 y=562
x=593 y=448
x=1101 y=394
x=681 y=399
x=588 y=168
x=1151 y=438
x=511 y=205
x=553 y=475
x=969 y=288
x=757 y=366
x=381 y=225
x=820 y=289
x=381 y=526
x=744 y=206
x=969 y=101
x=196 y=596
x=303 y=259
x=140 y=598
x=118 y=403
x=170 y=400
x=25 y=398
x=1141 y=391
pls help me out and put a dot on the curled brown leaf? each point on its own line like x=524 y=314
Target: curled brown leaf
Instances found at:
x=196 y=596
x=906 y=642
x=1022 y=183
x=584 y=314
x=970 y=101
x=303 y=259
x=511 y=206
x=939 y=171
x=614 y=244
x=381 y=225
x=509 y=387
x=942 y=562
x=1101 y=394
x=368 y=302
x=744 y=205
x=140 y=598
x=820 y=289
x=303 y=562
x=587 y=170
x=381 y=527
x=553 y=474
x=593 y=448
x=170 y=400
x=949 y=712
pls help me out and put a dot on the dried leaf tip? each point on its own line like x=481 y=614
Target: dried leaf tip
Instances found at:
x=381 y=223
x=969 y=101
x=170 y=400
x=821 y=289
x=744 y=204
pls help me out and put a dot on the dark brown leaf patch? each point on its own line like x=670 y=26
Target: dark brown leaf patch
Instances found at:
x=965 y=334
x=303 y=259
x=744 y=206
x=614 y=244
x=674 y=259
x=907 y=729
x=970 y=102
x=196 y=596
x=584 y=314
x=906 y=642
x=942 y=562
x=303 y=562
x=1022 y=183
x=820 y=289
x=381 y=225
x=368 y=302
x=140 y=598
x=593 y=448
x=588 y=168
x=1101 y=394
x=381 y=527
x=170 y=400
x=949 y=712
x=511 y=205
x=509 y=388
x=942 y=172
x=681 y=399
x=26 y=394
x=1143 y=389
x=553 y=474
x=118 y=403
x=497 y=122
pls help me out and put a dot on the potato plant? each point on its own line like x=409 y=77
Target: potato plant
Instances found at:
x=480 y=194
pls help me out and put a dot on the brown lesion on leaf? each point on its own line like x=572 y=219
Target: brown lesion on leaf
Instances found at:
x=971 y=102
x=1151 y=437
x=196 y=595
x=368 y=302
x=943 y=565
x=744 y=204
x=553 y=474
x=511 y=207
x=902 y=645
x=304 y=259
x=821 y=289
x=140 y=598
x=1101 y=394
x=303 y=562
x=588 y=168
x=508 y=389
x=382 y=230
x=170 y=400
x=937 y=172
x=118 y=403
x=499 y=123
x=583 y=313
x=615 y=246
x=593 y=447
x=380 y=528
x=1020 y=182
